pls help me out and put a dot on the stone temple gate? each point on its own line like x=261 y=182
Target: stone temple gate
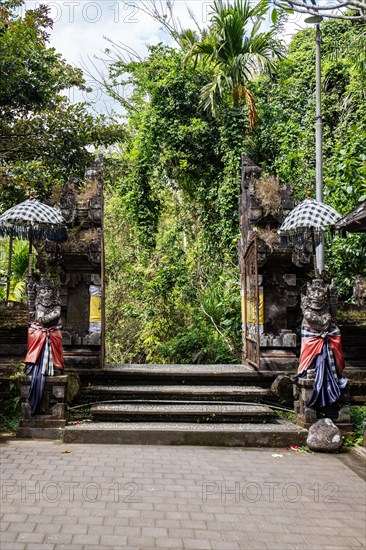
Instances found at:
x=271 y=276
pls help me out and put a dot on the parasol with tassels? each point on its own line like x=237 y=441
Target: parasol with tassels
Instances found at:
x=32 y=220
x=308 y=220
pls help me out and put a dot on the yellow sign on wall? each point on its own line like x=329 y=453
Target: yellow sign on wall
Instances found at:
x=250 y=303
x=95 y=315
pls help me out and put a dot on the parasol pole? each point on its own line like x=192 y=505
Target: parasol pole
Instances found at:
x=316 y=272
x=31 y=196
x=30 y=257
x=9 y=266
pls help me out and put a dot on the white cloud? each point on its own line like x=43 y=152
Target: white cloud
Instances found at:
x=80 y=28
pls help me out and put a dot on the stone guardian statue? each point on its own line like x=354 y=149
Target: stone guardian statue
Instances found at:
x=44 y=355
x=321 y=355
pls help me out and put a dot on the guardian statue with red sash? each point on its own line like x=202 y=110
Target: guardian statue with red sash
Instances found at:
x=44 y=355
x=321 y=355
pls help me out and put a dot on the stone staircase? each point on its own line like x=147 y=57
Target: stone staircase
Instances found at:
x=221 y=405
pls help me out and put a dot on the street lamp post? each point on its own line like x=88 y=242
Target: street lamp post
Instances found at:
x=319 y=137
x=318 y=130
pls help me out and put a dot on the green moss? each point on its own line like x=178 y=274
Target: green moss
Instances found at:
x=73 y=386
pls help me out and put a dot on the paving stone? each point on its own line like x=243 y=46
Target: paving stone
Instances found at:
x=14 y=518
x=21 y=527
x=169 y=543
x=171 y=503
x=86 y=539
x=31 y=546
x=197 y=544
x=8 y=536
x=59 y=538
x=204 y=534
x=75 y=529
x=142 y=542
x=129 y=531
x=12 y=546
x=157 y=532
x=113 y=540
x=48 y=528
x=31 y=537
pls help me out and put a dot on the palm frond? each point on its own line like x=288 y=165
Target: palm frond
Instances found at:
x=19 y=263
x=212 y=91
x=17 y=290
x=238 y=50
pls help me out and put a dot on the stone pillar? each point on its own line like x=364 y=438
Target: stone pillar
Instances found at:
x=280 y=272
x=306 y=416
x=81 y=264
x=49 y=421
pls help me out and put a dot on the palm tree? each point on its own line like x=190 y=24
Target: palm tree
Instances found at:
x=238 y=51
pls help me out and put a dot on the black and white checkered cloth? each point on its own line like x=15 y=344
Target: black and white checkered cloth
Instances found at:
x=33 y=219
x=309 y=214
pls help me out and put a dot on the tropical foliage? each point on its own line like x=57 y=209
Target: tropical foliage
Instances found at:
x=172 y=190
x=43 y=137
x=284 y=143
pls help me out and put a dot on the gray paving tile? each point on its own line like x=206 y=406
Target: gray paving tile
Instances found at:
x=187 y=498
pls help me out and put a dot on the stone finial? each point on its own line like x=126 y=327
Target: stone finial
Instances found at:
x=248 y=170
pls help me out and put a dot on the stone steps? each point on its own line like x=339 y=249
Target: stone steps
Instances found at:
x=181 y=370
x=186 y=412
x=182 y=391
x=181 y=405
x=176 y=374
x=278 y=433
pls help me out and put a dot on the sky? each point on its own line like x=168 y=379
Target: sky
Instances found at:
x=82 y=27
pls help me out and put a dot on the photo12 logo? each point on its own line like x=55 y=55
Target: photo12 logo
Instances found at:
x=90 y=12
x=269 y=491
x=54 y=492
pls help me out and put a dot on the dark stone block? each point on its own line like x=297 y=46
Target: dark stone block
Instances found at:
x=278 y=360
x=52 y=416
x=283 y=388
x=78 y=308
x=40 y=433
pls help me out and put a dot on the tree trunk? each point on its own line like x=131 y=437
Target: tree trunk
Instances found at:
x=235 y=95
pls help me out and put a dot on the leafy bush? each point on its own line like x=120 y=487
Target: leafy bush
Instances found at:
x=358 y=417
x=10 y=403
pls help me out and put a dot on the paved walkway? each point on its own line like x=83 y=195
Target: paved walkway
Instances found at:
x=57 y=496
